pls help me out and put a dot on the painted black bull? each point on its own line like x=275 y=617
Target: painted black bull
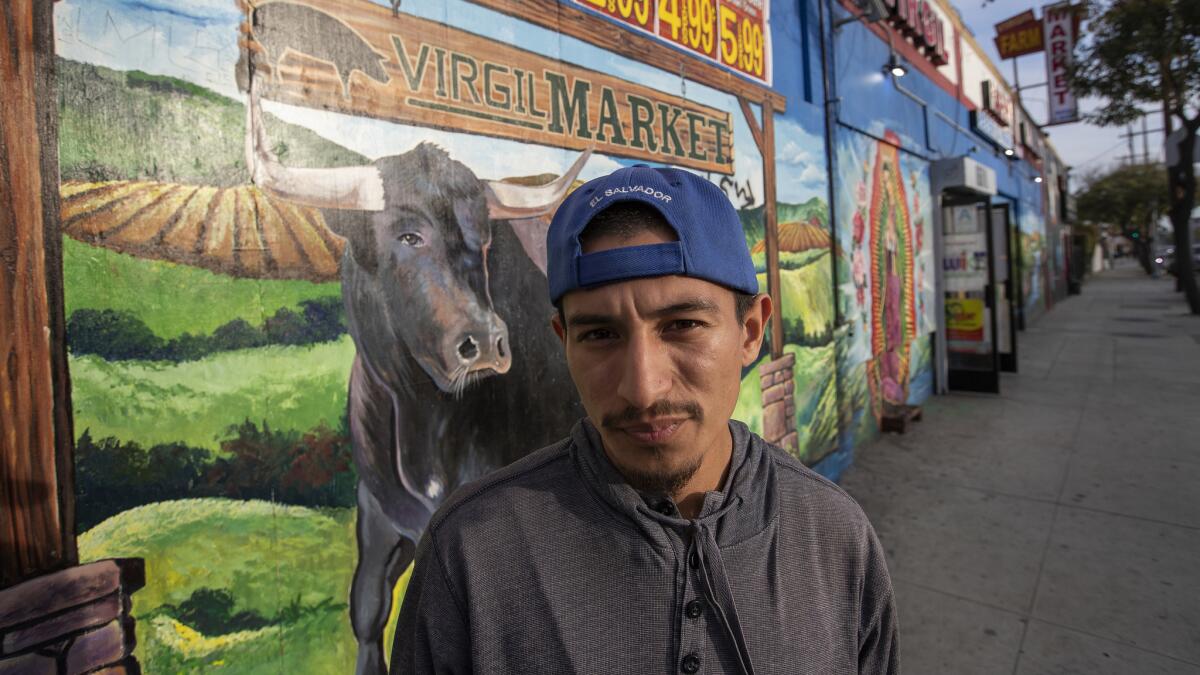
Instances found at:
x=457 y=370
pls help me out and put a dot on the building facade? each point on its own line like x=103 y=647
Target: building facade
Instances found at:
x=237 y=304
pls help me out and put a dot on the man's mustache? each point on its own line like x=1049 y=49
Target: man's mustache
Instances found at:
x=632 y=415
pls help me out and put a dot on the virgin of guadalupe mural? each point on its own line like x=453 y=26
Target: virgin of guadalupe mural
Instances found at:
x=893 y=301
x=305 y=285
x=886 y=282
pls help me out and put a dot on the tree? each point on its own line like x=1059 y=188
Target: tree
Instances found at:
x=1147 y=52
x=1131 y=198
x=112 y=334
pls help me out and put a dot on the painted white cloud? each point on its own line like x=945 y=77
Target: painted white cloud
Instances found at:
x=812 y=175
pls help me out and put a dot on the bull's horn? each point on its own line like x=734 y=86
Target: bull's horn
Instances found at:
x=350 y=187
x=507 y=201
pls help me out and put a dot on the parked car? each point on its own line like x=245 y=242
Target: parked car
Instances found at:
x=1166 y=259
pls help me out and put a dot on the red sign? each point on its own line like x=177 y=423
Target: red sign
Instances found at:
x=1060 y=26
x=1020 y=35
x=733 y=33
x=916 y=19
x=997 y=103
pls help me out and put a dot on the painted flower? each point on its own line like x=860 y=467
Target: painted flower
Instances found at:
x=860 y=194
x=858 y=269
x=920 y=228
x=859 y=225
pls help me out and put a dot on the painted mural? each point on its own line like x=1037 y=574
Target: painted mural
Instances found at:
x=1035 y=259
x=304 y=276
x=885 y=275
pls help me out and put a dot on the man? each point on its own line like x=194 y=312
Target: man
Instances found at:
x=660 y=536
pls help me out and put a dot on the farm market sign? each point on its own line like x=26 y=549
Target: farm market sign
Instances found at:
x=438 y=76
x=1060 y=27
x=1019 y=35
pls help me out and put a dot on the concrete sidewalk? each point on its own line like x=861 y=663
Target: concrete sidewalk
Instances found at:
x=1055 y=528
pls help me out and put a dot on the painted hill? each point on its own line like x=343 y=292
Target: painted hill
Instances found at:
x=130 y=125
x=796 y=237
x=814 y=211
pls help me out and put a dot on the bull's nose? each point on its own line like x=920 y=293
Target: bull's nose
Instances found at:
x=468 y=350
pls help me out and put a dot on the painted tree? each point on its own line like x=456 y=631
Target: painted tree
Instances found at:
x=1146 y=53
x=1128 y=201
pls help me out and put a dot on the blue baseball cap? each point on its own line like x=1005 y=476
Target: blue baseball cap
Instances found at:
x=711 y=244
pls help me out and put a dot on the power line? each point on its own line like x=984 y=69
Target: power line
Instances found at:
x=1100 y=154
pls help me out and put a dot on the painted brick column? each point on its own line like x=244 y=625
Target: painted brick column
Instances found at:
x=779 y=403
x=75 y=620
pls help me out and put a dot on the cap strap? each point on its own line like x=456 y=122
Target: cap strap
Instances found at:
x=631 y=262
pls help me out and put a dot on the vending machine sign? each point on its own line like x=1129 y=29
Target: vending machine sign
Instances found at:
x=964 y=319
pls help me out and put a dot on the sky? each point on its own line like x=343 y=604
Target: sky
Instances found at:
x=1084 y=147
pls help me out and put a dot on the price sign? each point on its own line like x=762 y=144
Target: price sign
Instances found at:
x=640 y=13
x=743 y=42
x=733 y=33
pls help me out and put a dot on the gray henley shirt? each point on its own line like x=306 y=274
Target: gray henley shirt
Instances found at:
x=555 y=564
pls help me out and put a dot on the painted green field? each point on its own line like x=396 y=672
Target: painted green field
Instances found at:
x=274 y=560
x=806 y=296
x=174 y=299
x=292 y=388
x=815 y=398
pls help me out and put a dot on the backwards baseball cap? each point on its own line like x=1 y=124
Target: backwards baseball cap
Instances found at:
x=711 y=245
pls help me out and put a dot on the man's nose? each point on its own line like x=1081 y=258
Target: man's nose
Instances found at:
x=645 y=373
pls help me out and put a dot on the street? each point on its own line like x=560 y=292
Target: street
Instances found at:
x=1056 y=528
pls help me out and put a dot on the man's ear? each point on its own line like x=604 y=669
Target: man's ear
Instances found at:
x=754 y=327
x=559 y=329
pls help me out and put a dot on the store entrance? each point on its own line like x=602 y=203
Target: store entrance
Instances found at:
x=970 y=288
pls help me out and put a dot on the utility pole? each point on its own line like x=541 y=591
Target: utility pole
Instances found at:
x=1145 y=134
x=1145 y=142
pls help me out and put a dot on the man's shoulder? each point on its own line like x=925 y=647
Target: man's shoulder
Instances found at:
x=802 y=490
x=506 y=488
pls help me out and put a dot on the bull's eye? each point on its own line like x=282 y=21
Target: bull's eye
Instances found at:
x=411 y=239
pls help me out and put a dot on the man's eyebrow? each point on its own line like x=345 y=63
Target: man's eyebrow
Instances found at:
x=589 y=319
x=681 y=307
x=685 y=306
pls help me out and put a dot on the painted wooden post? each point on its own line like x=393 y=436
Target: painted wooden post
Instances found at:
x=771 y=225
x=36 y=480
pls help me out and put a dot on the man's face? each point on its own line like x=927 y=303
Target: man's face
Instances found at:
x=657 y=362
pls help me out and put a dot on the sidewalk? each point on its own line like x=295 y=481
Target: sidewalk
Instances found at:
x=1056 y=528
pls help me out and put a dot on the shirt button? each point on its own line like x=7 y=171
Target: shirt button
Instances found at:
x=690 y=664
x=666 y=508
x=694 y=609
x=693 y=560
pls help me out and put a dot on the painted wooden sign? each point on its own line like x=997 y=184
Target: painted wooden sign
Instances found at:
x=414 y=71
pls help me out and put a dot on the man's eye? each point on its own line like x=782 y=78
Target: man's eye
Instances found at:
x=411 y=239
x=684 y=324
